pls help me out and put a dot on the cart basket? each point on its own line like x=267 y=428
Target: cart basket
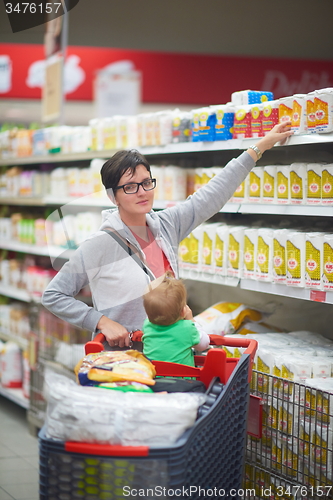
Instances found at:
x=206 y=461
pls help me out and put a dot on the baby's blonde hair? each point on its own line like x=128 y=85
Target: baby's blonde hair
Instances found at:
x=164 y=304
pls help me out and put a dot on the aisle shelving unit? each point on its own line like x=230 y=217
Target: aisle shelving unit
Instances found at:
x=221 y=150
x=168 y=149
x=15 y=395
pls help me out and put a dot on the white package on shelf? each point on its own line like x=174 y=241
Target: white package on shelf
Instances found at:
x=235 y=251
x=327 y=185
x=250 y=252
x=282 y=184
x=221 y=249
x=314 y=260
x=298 y=183
x=299 y=115
x=295 y=258
x=264 y=260
x=280 y=256
x=269 y=184
x=314 y=171
x=208 y=248
x=256 y=178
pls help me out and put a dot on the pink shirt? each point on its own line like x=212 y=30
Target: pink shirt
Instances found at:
x=155 y=257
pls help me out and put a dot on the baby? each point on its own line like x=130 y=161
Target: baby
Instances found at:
x=170 y=332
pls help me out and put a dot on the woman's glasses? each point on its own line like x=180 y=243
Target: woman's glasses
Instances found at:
x=133 y=187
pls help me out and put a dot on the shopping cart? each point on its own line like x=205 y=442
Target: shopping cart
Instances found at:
x=206 y=462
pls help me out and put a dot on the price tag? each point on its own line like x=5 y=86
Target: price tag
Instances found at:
x=317 y=295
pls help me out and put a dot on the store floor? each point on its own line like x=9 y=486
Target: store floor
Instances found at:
x=19 y=476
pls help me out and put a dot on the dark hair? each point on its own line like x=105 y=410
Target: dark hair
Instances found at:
x=119 y=163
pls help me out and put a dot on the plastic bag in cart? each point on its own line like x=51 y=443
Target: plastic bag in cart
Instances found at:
x=93 y=415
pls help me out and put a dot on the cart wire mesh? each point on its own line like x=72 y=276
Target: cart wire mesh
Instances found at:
x=293 y=459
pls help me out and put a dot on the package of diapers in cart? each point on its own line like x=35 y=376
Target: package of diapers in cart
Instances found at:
x=95 y=415
x=226 y=317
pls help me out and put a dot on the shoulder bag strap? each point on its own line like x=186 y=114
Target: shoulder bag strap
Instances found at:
x=127 y=247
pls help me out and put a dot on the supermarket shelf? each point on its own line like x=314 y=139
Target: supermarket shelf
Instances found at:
x=243 y=208
x=185 y=147
x=287 y=291
x=259 y=286
x=15 y=395
x=5 y=335
x=15 y=293
x=23 y=200
x=308 y=210
x=192 y=274
x=48 y=251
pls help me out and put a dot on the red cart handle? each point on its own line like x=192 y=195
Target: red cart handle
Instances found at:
x=96 y=345
x=251 y=345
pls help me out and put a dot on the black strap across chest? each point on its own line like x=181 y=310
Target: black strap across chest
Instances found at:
x=127 y=247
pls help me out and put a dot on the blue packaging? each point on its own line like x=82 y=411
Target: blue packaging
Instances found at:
x=251 y=97
x=207 y=120
x=224 y=123
x=195 y=136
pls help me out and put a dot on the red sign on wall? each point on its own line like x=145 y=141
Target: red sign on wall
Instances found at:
x=166 y=77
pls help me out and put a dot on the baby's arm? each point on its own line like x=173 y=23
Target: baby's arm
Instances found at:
x=204 y=338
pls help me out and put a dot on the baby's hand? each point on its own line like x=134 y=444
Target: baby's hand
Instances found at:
x=188 y=313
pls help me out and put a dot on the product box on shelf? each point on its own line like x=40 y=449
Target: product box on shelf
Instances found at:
x=264 y=260
x=299 y=116
x=251 y=97
x=235 y=251
x=250 y=252
x=314 y=171
x=221 y=249
x=327 y=184
x=279 y=256
x=241 y=193
x=225 y=114
x=285 y=109
x=162 y=128
x=313 y=260
x=174 y=183
x=282 y=184
x=255 y=184
x=298 y=183
x=242 y=122
x=181 y=126
x=269 y=184
x=310 y=114
x=256 y=120
x=295 y=251
x=195 y=124
x=270 y=115
x=208 y=248
x=207 y=121
x=328 y=262
x=323 y=108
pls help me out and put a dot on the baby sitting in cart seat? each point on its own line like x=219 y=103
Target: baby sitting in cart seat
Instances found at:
x=169 y=332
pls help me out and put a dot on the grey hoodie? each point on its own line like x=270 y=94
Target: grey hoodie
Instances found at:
x=116 y=281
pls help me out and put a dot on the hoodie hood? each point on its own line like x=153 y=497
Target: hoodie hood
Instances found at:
x=111 y=219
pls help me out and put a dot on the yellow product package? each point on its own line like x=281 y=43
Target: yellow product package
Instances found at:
x=115 y=366
x=226 y=317
x=255 y=327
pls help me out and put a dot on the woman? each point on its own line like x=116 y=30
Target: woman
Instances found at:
x=135 y=244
